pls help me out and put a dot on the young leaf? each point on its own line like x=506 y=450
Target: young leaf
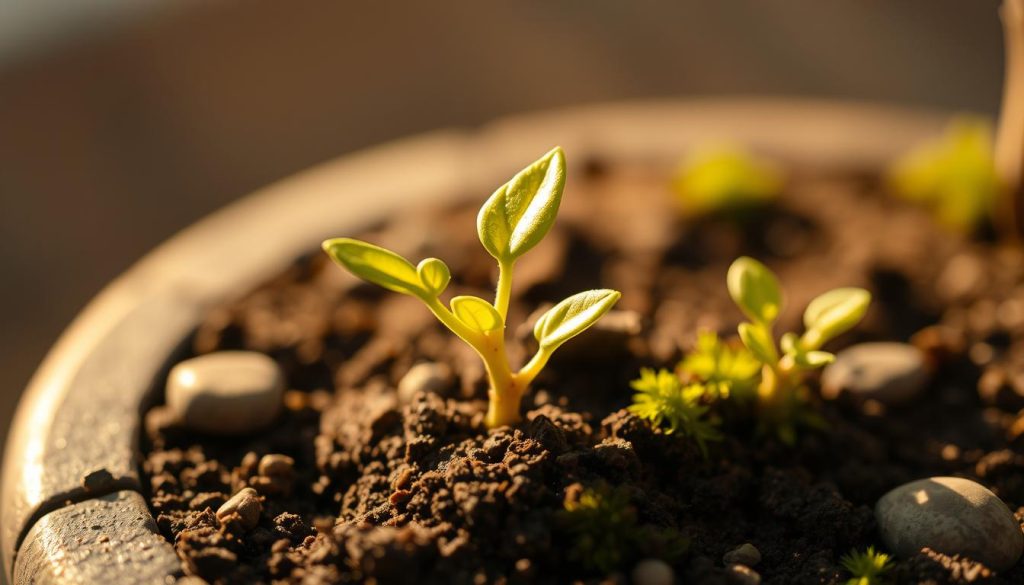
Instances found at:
x=755 y=289
x=572 y=316
x=377 y=265
x=758 y=340
x=434 y=275
x=835 y=312
x=520 y=213
x=477 y=314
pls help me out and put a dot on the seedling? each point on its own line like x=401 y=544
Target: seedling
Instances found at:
x=725 y=371
x=511 y=222
x=954 y=176
x=725 y=179
x=866 y=567
x=781 y=394
x=662 y=398
x=681 y=402
x=604 y=533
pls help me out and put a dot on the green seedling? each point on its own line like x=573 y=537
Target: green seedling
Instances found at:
x=781 y=393
x=605 y=535
x=511 y=222
x=725 y=371
x=953 y=176
x=866 y=567
x=725 y=179
x=662 y=399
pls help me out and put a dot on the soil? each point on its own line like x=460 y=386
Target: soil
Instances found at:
x=411 y=488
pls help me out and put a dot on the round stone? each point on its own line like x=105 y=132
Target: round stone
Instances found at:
x=891 y=373
x=745 y=554
x=246 y=503
x=226 y=393
x=653 y=572
x=425 y=377
x=953 y=516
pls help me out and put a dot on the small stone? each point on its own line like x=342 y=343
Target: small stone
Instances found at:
x=246 y=503
x=276 y=465
x=742 y=575
x=424 y=377
x=745 y=554
x=889 y=372
x=653 y=572
x=98 y=481
x=953 y=516
x=226 y=393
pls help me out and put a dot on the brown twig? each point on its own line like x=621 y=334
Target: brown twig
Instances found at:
x=1009 y=153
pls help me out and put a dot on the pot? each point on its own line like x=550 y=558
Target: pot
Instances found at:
x=71 y=504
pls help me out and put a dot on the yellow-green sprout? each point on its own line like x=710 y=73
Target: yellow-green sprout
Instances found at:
x=662 y=399
x=511 y=222
x=781 y=394
x=723 y=370
x=954 y=176
x=725 y=179
x=866 y=567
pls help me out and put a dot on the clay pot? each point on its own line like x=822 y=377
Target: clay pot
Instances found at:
x=71 y=504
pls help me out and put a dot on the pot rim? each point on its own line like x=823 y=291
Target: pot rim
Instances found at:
x=81 y=412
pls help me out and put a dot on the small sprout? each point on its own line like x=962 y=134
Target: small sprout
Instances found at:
x=661 y=398
x=725 y=179
x=723 y=370
x=954 y=176
x=512 y=221
x=604 y=533
x=781 y=394
x=867 y=567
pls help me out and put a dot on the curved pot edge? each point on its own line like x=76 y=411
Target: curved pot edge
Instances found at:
x=225 y=253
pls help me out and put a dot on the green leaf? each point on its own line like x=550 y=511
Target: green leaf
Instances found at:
x=755 y=289
x=815 y=359
x=519 y=214
x=377 y=265
x=434 y=275
x=833 y=313
x=758 y=340
x=572 y=316
x=477 y=314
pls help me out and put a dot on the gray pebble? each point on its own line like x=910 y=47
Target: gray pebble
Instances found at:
x=953 y=516
x=653 y=572
x=889 y=372
x=743 y=575
x=745 y=554
x=425 y=377
x=226 y=393
x=247 y=504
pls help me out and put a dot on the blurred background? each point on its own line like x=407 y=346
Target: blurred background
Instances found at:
x=123 y=121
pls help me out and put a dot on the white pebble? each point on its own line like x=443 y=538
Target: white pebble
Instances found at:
x=425 y=377
x=226 y=393
x=653 y=572
x=950 y=515
x=891 y=373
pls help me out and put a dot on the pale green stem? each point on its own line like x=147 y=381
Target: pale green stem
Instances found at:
x=506 y=389
x=540 y=359
x=504 y=290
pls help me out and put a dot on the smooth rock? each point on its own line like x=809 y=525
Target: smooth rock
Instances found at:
x=891 y=373
x=745 y=554
x=226 y=393
x=276 y=465
x=425 y=377
x=743 y=575
x=952 y=516
x=247 y=504
x=653 y=572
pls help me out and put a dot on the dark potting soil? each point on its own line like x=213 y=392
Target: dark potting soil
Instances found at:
x=413 y=488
